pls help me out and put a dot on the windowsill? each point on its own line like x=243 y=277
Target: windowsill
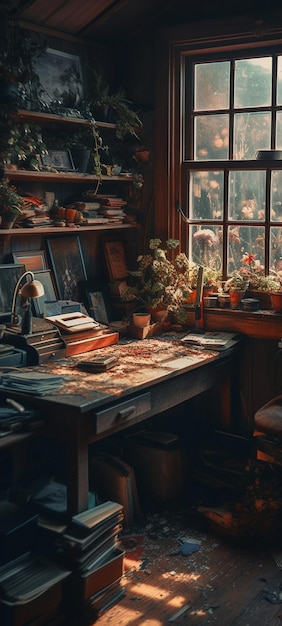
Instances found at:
x=259 y=324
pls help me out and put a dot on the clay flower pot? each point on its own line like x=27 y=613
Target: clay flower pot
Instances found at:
x=276 y=301
x=236 y=297
x=141 y=320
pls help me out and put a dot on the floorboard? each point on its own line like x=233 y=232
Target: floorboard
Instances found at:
x=225 y=582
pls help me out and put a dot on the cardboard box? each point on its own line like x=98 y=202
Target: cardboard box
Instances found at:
x=157 y=460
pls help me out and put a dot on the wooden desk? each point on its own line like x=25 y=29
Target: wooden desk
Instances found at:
x=151 y=376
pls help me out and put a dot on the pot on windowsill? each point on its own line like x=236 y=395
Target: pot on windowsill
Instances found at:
x=276 y=301
x=236 y=295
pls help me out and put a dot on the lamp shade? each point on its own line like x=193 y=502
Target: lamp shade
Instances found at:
x=33 y=289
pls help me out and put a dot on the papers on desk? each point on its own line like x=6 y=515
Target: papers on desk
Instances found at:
x=213 y=340
x=35 y=383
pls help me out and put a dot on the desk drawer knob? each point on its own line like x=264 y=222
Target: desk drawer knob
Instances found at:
x=124 y=413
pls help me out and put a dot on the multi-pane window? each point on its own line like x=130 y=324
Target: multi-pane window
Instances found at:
x=232 y=184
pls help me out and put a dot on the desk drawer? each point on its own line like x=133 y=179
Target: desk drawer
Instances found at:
x=122 y=413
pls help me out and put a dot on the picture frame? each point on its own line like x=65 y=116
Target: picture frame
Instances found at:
x=115 y=259
x=60 y=160
x=46 y=278
x=97 y=306
x=67 y=264
x=32 y=260
x=60 y=76
x=10 y=273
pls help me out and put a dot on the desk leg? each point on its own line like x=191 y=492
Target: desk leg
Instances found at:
x=77 y=471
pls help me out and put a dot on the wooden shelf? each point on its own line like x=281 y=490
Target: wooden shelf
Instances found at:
x=67 y=230
x=51 y=118
x=69 y=177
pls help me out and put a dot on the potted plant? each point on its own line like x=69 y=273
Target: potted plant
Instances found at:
x=113 y=106
x=11 y=204
x=160 y=283
x=236 y=285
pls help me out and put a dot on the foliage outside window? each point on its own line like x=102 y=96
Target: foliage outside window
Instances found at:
x=232 y=198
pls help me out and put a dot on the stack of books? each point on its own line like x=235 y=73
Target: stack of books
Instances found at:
x=112 y=207
x=40 y=384
x=90 y=212
x=31 y=591
x=90 y=547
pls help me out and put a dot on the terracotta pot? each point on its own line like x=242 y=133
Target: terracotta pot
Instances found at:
x=276 y=301
x=158 y=314
x=235 y=298
x=141 y=320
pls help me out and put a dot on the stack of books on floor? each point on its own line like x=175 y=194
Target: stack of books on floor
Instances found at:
x=31 y=591
x=89 y=546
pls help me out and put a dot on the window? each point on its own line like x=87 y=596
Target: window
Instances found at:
x=231 y=184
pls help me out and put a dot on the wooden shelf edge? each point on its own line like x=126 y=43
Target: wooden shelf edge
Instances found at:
x=40 y=116
x=70 y=177
x=259 y=324
x=47 y=230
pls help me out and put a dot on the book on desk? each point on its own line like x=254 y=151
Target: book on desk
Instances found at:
x=212 y=340
x=81 y=333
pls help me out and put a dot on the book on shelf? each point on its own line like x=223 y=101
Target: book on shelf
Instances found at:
x=213 y=340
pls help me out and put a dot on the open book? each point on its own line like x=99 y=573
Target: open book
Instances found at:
x=213 y=340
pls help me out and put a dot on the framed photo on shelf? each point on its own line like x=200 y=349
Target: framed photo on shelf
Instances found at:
x=60 y=76
x=32 y=260
x=115 y=259
x=67 y=263
x=97 y=306
x=45 y=277
x=60 y=160
x=9 y=276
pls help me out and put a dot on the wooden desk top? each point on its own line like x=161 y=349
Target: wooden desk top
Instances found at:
x=140 y=364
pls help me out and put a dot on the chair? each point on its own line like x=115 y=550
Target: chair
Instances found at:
x=268 y=431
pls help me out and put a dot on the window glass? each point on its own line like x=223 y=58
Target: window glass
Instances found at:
x=212 y=86
x=246 y=195
x=279 y=80
x=206 y=246
x=276 y=196
x=244 y=241
x=275 y=263
x=211 y=137
x=252 y=84
x=251 y=133
x=206 y=195
x=279 y=130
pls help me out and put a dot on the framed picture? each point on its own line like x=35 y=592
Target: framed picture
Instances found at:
x=60 y=160
x=33 y=261
x=45 y=277
x=9 y=276
x=97 y=307
x=115 y=259
x=68 y=266
x=60 y=76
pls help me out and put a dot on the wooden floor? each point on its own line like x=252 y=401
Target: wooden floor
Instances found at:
x=227 y=581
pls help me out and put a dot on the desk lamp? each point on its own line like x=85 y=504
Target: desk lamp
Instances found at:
x=31 y=289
